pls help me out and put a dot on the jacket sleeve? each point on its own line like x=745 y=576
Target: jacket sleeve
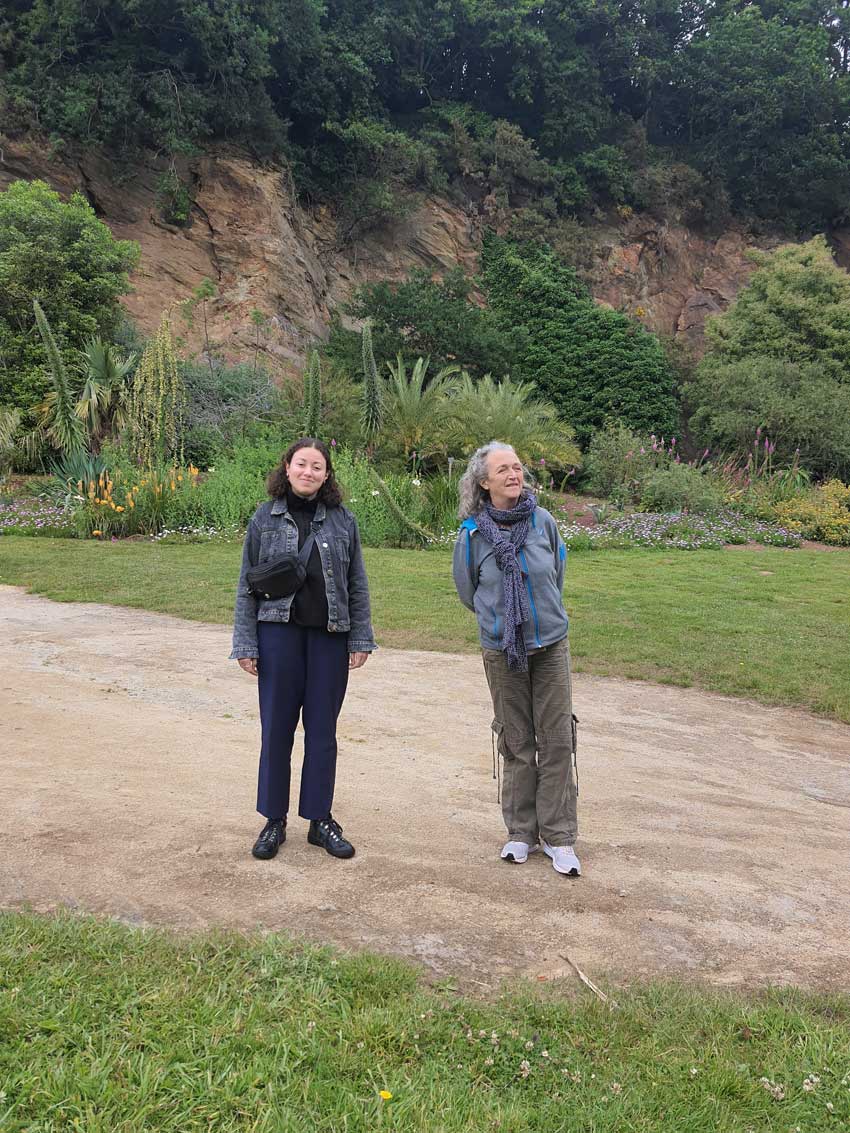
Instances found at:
x=361 y=638
x=245 y=617
x=463 y=569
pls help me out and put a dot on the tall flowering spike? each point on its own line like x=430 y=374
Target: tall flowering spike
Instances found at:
x=313 y=395
x=372 y=415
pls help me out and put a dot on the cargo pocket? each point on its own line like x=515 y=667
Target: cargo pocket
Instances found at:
x=497 y=740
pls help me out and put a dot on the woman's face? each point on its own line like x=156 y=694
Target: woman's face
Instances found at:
x=307 y=471
x=504 y=479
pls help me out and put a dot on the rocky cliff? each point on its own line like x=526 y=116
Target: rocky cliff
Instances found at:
x=265 y=253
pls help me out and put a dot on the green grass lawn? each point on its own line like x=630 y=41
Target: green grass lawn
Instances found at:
x=108 y=1029
x=771 y=624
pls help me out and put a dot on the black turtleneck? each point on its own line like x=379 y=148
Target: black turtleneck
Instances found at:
x=310 y=604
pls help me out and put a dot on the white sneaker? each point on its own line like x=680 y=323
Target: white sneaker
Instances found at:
x=563 y=859
x=517 y=852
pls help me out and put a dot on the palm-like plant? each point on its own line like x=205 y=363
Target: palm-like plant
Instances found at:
x=58 y=421
x=512 y=412
x=103 y=401
x=417 y=409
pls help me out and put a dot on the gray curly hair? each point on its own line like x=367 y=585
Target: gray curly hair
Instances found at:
x=472 y=495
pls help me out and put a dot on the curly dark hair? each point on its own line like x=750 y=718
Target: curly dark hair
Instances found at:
x=329 y=494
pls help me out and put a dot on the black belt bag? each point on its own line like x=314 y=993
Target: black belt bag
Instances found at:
x=281 y=576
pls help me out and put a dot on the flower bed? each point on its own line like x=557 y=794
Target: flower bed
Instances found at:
x=30 y=516
x=676 y=530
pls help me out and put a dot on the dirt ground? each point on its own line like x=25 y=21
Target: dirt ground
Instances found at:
x=715 y=832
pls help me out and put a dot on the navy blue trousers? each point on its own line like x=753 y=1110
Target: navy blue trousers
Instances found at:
x=303 y=672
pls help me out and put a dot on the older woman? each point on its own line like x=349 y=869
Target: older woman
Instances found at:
x=509 y=562
x=302 y=643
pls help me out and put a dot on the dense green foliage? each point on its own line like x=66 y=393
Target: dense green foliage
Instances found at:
x=63 y=256
x=424 y=317
x=779 y=360
x=563 y=104
x=593 y=363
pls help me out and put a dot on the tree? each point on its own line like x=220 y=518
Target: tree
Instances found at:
x=779 y=360
x=417 y=410
x=755 y=98
x=103 y=401
x=61 y=255
x=426 y=318
x=512 y=412
x=592 y=363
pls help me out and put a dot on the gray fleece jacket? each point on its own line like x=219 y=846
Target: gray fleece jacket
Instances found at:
x=479 y=582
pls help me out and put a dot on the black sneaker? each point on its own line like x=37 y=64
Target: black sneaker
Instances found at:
x=327 y=832
x=271 y=838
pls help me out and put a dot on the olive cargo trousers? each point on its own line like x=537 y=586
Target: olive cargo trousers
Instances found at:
x=534 y=728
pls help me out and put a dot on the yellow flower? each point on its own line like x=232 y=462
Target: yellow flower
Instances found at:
x=119 y=508
x=173 y=486
x=130 y=503
x=385 y=1094
x=179 y=475
x=97 y=532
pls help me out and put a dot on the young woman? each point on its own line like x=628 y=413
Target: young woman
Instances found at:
x=509 y=563
x=303 y=646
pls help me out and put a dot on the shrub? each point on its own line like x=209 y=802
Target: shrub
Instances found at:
x=594 y=364
x=778 y=360
x=823 y=514
x=680 y=487
x=421 y=317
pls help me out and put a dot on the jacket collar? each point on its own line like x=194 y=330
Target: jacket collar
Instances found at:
x=279 y=507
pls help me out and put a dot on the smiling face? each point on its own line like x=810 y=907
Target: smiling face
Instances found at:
x=307 y=471
x=504 y=480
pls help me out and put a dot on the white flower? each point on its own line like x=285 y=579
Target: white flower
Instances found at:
x=776 y=1091
x=375 y=492
x=416 y=483
x=811 y=1083
x=525 y=1068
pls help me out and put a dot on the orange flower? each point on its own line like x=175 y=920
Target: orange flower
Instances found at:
x=97 y=532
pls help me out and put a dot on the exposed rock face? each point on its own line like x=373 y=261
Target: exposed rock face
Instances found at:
x=265 y=253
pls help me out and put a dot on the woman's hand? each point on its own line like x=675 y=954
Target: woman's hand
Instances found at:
x=249 y=664
x=357 y=660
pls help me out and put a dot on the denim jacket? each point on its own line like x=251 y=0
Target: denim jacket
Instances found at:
x=272 y=532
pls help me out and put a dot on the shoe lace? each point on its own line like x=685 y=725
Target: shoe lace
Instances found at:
x=333 y=828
